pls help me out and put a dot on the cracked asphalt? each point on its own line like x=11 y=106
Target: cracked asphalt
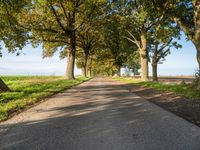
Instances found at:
x=100 y=114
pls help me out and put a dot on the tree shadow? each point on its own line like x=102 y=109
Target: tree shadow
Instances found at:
x=186 y=108
x=102 y=117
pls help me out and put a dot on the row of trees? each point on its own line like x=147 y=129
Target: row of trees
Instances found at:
x=101 y=36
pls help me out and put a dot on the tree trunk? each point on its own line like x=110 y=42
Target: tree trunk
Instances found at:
x=143 y=57
x=119 y=71
x=85 y=71
x=3 y=86
x=90 y=72
x=155 y=59
x=85 y=65
x=155 y=64
x=197 y=33
x=71 y=58
x=198 y=55
x=90 y=69
x=154 y=71
x=70 y=66
x=197 y=45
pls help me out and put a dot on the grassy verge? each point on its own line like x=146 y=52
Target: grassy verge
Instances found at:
x=180 y=99
x=27 y=90
x=180 y=89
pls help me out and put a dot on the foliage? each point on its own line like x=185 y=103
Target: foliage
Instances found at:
x=161 y=40
x=12 y=35
x=89 y=38
x=180 y=11
x=133 y=62
x=95 y=32
x=186 y=14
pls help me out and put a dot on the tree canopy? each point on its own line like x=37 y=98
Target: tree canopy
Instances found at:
x=101 y=36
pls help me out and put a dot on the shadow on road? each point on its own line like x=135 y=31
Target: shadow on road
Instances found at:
x=102 y=116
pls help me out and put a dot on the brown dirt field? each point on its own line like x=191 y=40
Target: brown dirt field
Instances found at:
x=175 y=79
x=171 y=79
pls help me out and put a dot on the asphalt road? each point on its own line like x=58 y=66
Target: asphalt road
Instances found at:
x=98 y=115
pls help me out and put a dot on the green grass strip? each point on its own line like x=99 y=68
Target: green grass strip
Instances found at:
x=27 y=90
x=180 y=89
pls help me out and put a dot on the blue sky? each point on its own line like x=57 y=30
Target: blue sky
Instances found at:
x=181 y=61
x=30 y=62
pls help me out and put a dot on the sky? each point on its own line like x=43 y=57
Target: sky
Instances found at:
x=30 y=62
x=181 y=61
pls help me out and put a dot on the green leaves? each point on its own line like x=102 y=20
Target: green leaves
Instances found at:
x=11 y=33
x=100 y=30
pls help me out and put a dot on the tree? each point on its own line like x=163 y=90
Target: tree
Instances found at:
x=87 y=41
x=88 y=36
x=141 y=21
x=161 y=40
x=113 y=31
x=54 y=24
x=116 y=50
x=11 y=35
x=102 y=63
x=133 y=62
x=186 y=13
x=113 y=40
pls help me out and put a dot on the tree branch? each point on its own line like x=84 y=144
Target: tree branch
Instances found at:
x=165 y=45
x=64 y=10
x=184 y=27
x=134 y=40
x=57 y=18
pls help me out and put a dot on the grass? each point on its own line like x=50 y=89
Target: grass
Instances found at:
x=180 y=89
x=27 y=90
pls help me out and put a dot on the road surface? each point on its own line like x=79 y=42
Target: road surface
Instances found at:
x=98 y=115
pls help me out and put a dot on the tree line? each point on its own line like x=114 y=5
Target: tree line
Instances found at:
x=101 y=36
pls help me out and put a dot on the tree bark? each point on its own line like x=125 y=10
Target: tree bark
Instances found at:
x=155 y=59
x=71 y=58
x=197 y=45
x=70 y=66
x=85 y=65
x=119 y=71
x=197 y=32
x=196 y=38
x=3 y=86
x=154 y=71
x=155 y=64
x=143 y=57
x=85 y=71
x=90 y=71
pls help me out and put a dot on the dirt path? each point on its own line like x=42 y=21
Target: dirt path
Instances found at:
x=98 y=115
